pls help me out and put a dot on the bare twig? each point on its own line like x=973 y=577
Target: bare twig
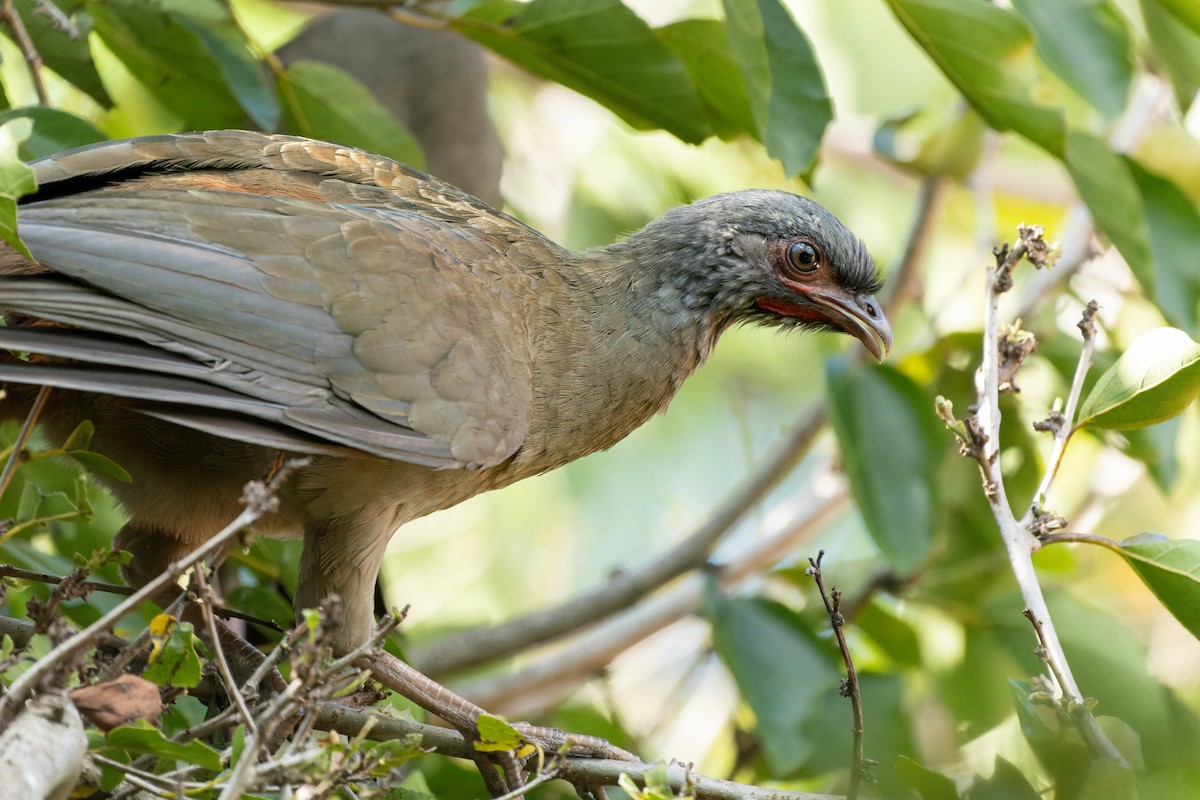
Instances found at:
x=12 y=18
x=17 y=454
x=1017 y=539
x=1062 y=425
x=7 y=571
x=207 y=598
x=1078 y=712
x=980 y=437
x=849 y=687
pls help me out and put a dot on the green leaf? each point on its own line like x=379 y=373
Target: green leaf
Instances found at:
x=786 y=89
x=1174 y=46
x=1173 y=225
x=1156 y=378
x=69 y=56
x=171 y=61
x=986 y=52
x=53 y=131
x=895 y=636
x=30 y=502
x=1156 y=446
x=1088 y=45
x=81 y=437
x=1170 y=568
x=929 y=784
x=142 y=737
x=497 y=736
x=324 y=102
x=16 y=180
x=1006 y=783
x=890 y=445
x=703 y=44
x=213 y=24
x=599 y=48
x=781 y=668
x=1186 y=11
x=1153 y=224
x=101 y=465
x=173 y=661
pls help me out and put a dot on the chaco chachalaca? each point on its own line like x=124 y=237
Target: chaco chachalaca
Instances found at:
x=209 y=300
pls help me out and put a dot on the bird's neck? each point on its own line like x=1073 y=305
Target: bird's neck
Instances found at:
x=654 y=287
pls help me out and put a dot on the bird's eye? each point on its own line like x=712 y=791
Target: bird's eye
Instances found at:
x=803 y=257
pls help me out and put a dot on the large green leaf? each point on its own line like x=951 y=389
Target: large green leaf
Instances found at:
x=142 y=737
x=324 y=102
x=781 y=668
x=172 y=62
x=213 y=24
x=1157 y=377
x=1171 y=569
x=890 y=446
x=985 y=51
x=1174 y=46
x=787 y=91
x=1088 y=45
x=16 y=179
x=599 y=48
x=703 y=44
x=53 y=131
x=68 y=55
x=1153 y=224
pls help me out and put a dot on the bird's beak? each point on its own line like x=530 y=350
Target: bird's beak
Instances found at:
x=860 y=316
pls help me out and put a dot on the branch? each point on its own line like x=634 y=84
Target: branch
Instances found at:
x=42 y=751
x=17 y=454
x=10 y=17
x=1062 y=425
x=849 y=687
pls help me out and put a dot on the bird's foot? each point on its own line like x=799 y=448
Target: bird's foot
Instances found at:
x=500 y=750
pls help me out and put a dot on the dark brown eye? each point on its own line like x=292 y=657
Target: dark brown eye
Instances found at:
x=803 y=257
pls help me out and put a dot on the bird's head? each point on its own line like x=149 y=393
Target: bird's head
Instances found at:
x=769 y=257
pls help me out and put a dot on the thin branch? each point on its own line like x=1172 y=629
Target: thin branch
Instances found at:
x=17 y=454
x=1062 y=425
x=849 y=688
x=1070 y=537
x=905 y=284
x=210 y=623
x=1017 y=539
x=1089 y=729
x=7 y=571
x=10 y=16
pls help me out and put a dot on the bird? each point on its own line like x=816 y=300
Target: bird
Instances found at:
x=213 y=300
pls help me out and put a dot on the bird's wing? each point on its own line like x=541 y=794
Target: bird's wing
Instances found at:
x=307 y=297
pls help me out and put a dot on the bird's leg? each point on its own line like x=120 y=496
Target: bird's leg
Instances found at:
x=342 y=557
